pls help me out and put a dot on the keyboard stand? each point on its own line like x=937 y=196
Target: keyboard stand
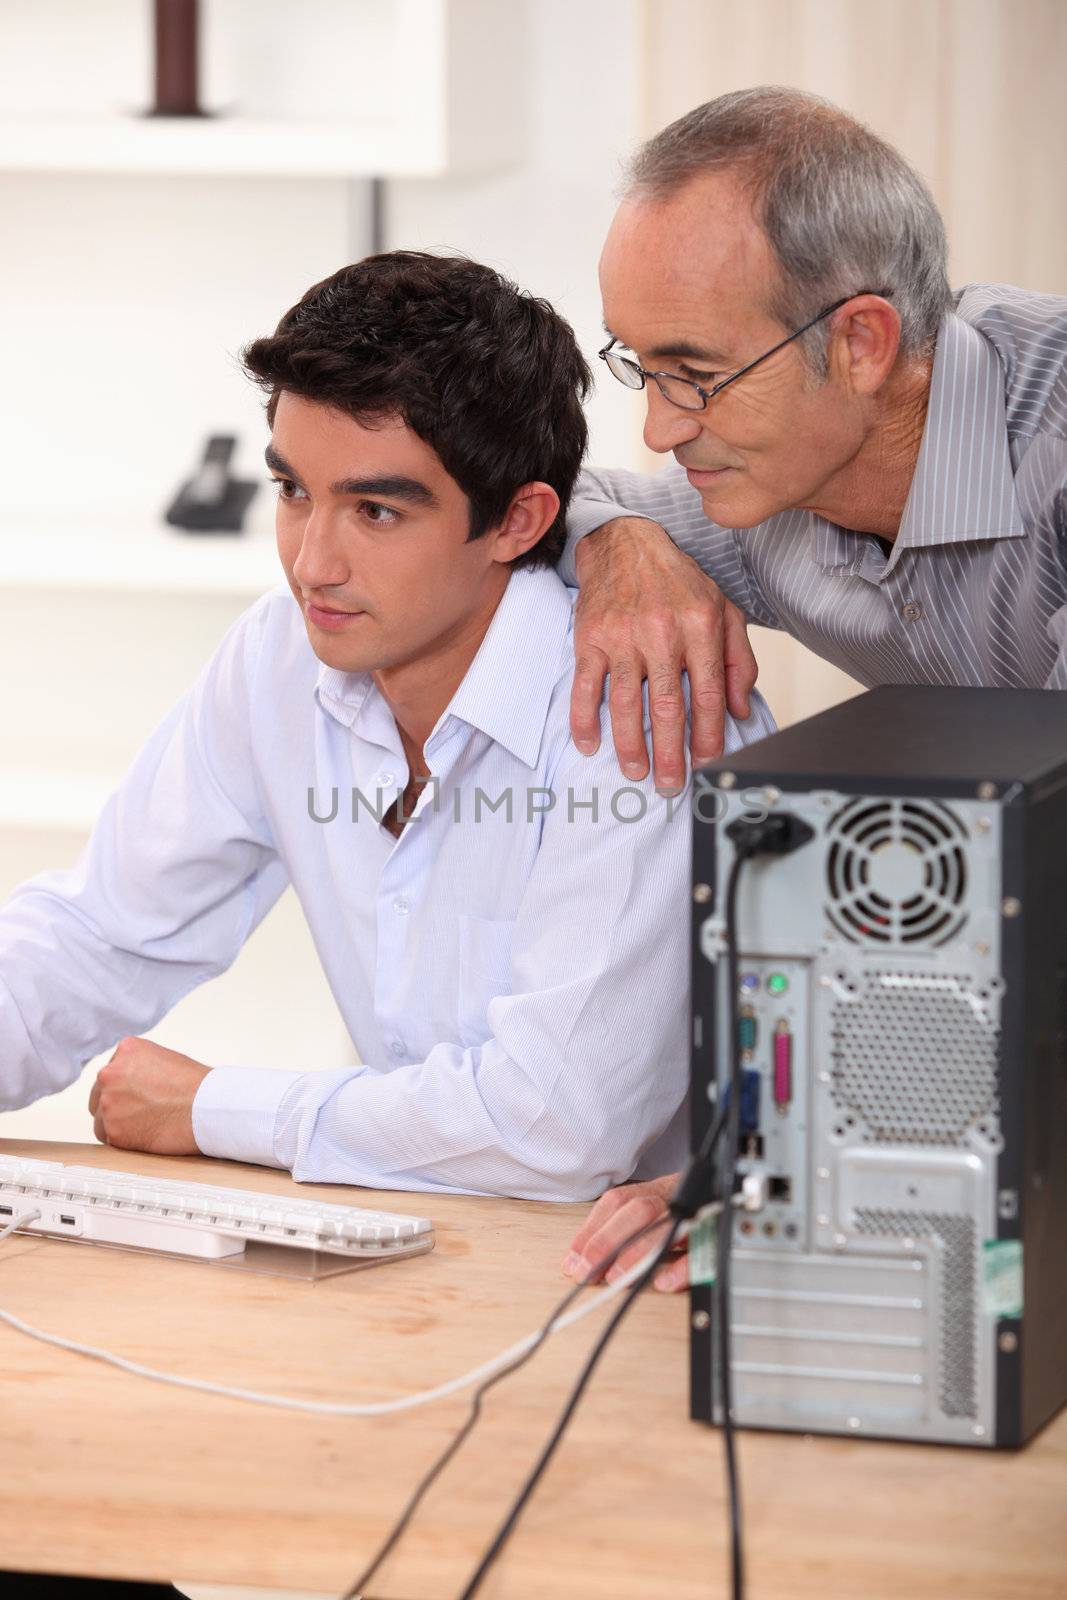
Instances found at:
x=254 y=1255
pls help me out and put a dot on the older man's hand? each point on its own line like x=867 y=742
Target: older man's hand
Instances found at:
x=648 y=611
x=615 y=1216
x=143 y=1099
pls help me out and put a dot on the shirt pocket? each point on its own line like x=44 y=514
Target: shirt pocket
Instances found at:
x=484 y=972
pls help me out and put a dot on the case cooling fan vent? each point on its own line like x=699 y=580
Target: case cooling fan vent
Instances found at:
x=896 y=872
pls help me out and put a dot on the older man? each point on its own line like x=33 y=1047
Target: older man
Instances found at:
x=863 y=459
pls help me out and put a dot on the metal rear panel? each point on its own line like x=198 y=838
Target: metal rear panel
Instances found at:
x=873 y=952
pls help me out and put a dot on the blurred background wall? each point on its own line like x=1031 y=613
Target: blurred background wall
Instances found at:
x=136 y=264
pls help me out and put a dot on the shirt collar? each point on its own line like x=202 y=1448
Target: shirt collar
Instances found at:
x=963 y=487
x=507 y=689
x=508 y=686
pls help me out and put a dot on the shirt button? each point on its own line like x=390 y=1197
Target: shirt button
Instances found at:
x=398 y=1047
x=385 y=779
x=912 y=611
x=402 y=907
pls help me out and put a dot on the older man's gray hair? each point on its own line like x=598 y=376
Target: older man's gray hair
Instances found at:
x=842 y=210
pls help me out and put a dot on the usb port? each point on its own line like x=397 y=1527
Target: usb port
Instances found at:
x=70 y=1221
x=780 y=1189
x=6 y=1211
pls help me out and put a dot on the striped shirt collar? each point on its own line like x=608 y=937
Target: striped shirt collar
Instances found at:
x=964 y=486
x=507 y=690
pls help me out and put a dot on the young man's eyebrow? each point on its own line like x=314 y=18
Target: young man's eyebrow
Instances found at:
x=391 y=488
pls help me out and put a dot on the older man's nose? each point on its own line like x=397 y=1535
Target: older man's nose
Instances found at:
x=668 y=426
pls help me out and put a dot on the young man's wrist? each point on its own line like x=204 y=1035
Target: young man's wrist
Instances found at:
x=235 y=1112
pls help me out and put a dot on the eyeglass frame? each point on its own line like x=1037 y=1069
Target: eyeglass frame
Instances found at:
x=716 y=388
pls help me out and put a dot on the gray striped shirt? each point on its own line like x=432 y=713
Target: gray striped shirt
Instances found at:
x=974 y=589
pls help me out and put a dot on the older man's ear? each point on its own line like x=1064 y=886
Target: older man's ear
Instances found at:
x=143 y=1099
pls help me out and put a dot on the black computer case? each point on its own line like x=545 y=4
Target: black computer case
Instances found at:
x=913 y=956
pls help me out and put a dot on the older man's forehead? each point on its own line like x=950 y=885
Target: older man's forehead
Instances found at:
x=691 y=270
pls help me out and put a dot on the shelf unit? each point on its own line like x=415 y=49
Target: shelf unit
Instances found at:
x=138 y=559
x=420 y=109
x=227 y=147
x=134 y=559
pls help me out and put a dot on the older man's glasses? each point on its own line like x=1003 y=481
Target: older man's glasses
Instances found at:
x=686 y=392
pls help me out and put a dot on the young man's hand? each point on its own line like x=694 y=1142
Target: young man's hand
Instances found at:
x=615 y=1216
x=645 y=610
x=143 y=1099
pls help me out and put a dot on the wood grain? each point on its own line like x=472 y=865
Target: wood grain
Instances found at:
x=105 y=1474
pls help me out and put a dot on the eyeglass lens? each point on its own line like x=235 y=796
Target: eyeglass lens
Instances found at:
x=678 y=390
x=627 y=372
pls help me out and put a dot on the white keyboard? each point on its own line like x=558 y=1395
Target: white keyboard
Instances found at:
x=194 y=1218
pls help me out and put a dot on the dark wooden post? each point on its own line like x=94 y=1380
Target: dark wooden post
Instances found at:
x=176 y=31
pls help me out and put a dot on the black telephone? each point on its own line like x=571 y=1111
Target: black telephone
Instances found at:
x=211 y=501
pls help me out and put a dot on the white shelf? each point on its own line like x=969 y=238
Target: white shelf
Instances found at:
x=407 y=88
x=137 y=559
x=222 y=146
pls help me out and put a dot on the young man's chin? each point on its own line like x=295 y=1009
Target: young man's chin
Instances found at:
x=344 y=649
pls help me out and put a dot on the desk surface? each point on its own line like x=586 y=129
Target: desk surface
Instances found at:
x=108 y=1474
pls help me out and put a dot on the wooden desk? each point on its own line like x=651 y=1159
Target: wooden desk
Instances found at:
x=107 y=1474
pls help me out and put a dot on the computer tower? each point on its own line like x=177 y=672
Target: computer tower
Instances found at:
x=903 y=1012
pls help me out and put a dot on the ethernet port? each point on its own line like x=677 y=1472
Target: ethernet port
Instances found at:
x=780 y=1189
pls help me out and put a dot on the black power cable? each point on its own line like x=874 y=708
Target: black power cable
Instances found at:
x=724 y=1239
x=775 y=834
x=399 y=1528
x=504 y=1531
x=778 y=833
x=690 y=1196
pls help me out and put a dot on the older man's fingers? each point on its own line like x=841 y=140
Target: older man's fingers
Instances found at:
x=626 y=704
x=740 y=665
x=587 y=694
x=707 y=701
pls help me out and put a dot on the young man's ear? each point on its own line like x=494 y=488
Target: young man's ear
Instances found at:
x=532 y=512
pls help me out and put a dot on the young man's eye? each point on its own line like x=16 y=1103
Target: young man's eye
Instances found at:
x=287 y=489
x=381 y=516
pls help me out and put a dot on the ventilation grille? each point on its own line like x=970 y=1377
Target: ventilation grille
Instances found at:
x=914 y=1061
x=896 y=872
x=958 y=1330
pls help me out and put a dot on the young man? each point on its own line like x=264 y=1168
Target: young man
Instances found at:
x=502 y=921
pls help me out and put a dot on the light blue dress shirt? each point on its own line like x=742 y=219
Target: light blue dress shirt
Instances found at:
x=516 y=985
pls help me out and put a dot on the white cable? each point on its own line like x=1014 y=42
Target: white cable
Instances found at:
x=327 y=1408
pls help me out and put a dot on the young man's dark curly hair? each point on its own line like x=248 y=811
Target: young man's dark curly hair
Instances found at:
x=490 y=377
